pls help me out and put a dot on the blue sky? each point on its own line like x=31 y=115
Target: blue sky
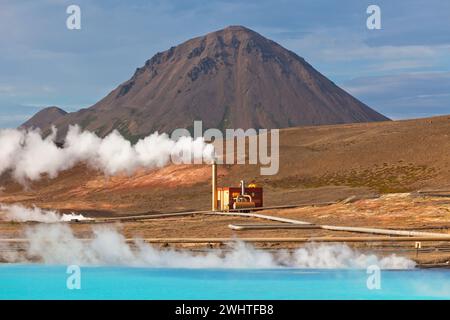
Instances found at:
x=402 y=70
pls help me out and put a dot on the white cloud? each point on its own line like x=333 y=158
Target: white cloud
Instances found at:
x=339 y=47
x=436 y=82
x=8 y=91
x=406 y=95
x=14 y=117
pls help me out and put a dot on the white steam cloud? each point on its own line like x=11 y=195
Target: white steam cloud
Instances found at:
x=29 y=156
x=56 y=244
x=19 y=213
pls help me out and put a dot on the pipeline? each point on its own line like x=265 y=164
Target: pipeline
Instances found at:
x=264 y=240
x=257 y=215
x=339 y=228
x=386 y=231
x=145 y=217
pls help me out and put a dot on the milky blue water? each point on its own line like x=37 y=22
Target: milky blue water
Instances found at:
x=49 y=282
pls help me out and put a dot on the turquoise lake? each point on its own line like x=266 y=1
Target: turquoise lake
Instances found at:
x=49 y=282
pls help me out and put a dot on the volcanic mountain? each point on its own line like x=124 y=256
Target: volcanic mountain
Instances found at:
x=44 y=118
x=231 y=78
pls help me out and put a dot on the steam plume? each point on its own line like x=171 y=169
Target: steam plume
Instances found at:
x=56 y=244
x=29 y=156
x=19 y=213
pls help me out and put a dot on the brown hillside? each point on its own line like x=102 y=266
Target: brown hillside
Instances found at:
x=317 y=164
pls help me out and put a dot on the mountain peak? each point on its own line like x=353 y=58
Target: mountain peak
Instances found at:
x=230 y=78
x=210 y=43
x=44 y=118
x=235 y=29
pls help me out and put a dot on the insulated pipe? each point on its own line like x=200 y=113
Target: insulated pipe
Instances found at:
x=295 y=239
x=343 y=228
x=257 y=215
x=214 y=186
x=386 y=231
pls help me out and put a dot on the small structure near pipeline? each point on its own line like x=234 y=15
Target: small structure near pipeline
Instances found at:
x=242 y=198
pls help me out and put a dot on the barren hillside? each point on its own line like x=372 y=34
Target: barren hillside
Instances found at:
x=317 y=164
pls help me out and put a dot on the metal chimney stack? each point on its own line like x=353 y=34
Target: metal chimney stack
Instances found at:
x=214 y=186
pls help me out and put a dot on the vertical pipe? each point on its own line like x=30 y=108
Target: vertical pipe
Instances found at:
x=242 y=187
x=214 y=186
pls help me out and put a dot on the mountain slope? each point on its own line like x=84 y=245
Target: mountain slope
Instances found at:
x=231 y=78
x=44 y=118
